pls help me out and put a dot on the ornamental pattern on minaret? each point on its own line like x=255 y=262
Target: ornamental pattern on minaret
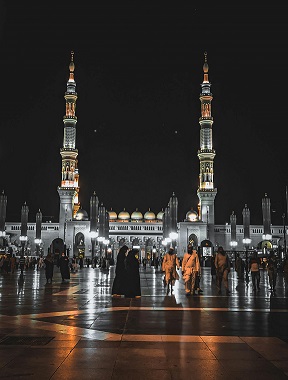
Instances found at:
x=206 y=153
x=70 y=174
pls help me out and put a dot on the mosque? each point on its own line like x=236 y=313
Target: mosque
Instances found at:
x=102 y=231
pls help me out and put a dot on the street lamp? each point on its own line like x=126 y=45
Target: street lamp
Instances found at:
x=106 y=242
x=173 y=236
x=164 y=243
x=100 y=239
x=24 y=219
x=233 y=245
x=93 y=236
x=37 y=239
x=246 y=242
x=37 y=243
x=284 y=234
x=23 y=240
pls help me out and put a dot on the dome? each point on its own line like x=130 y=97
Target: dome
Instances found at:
x=160 y=215
x=81 y=214
x=112 y=215
x=136 y=215
x=149 y=215
x=124 y=215
x=192 y=216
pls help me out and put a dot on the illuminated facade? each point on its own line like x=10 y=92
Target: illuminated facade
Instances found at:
x=148 y=230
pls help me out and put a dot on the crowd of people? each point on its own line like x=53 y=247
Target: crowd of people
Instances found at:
x=127 y=277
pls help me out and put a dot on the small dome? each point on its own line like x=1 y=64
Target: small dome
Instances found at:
x=136 y=215
x=192 y=216
x=124 y=215
x=81 y=214
x=112 y=215
x=149 y=215
x=160 y=215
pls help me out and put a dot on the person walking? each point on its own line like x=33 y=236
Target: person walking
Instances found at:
x=213 y=268
x=190 y=269
x=74 y=264
x=254 y=268
x=13 y=263
x=239 y=267
x=132 y=284
x=222 y=264
x=119 y=282
x=49 y=267
x=169 y=264
x=272 y=263
x=285 y=269
x=22 y=261
x=64 y=267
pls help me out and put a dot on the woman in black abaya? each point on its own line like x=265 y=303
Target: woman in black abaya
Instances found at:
x=133 y=288
x=119 y=283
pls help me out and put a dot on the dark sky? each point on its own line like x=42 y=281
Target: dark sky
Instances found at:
x=138 y=74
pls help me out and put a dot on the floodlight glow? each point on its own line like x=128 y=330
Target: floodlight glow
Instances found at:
x=173 y=235
x=93 y=234
x=267 y=237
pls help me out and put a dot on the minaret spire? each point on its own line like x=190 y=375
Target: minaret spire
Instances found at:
x=206 y=191
x=69 y=189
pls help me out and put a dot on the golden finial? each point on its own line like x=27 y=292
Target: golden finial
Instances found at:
x=71 y=65
x=205 y=66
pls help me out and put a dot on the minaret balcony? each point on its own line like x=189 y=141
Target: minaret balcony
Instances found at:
x=208 y=151
x=203 y=118
x=68 y=117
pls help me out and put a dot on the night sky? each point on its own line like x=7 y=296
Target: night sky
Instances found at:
x=138 y=70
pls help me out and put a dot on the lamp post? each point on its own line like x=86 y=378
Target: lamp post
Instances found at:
x=173 y=236
x=38 y=239
x=100 y=239
x=164 y=243
x=23 y=240
x=233 y=245
x=246 y=242
x=93 y=236
x=24 y=220
x=3 y=205
x=284 y=234
x=106 y=242
x=94 y=204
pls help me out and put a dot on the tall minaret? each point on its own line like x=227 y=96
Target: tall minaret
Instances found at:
x=206 y=191
x=69 y=189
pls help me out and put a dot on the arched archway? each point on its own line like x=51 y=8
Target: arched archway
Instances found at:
x=148 y=248
x=193 y=240
x=79 y=244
